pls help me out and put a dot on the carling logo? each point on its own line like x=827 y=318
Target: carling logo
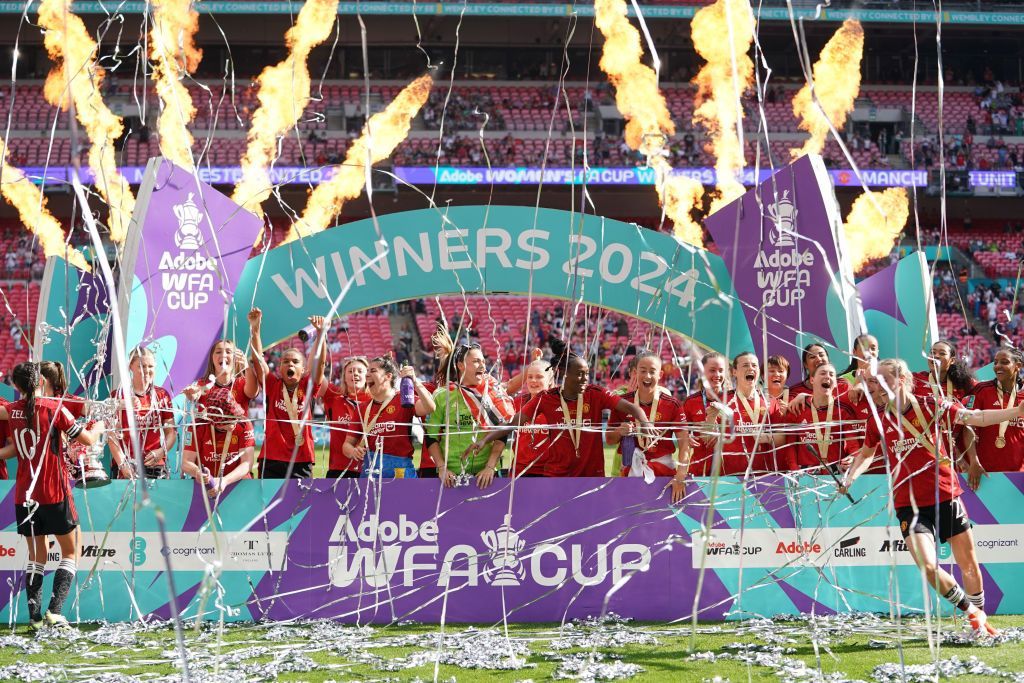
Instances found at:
x=188 y=237
x=384 y=553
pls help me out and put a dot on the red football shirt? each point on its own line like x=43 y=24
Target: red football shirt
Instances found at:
x=237 y=391
x=844 y=432
x=280 y=437
x=1009 y=458
x=666 y=420
x=923 y=386
x=804 y=387
x=343 y=420
x=694 y=413
x=152 y=410
x=530 y=439
x=737 y=454
x=426 y=461
x=562 y=457
x=209 y=444
x=42 y=470
x=390 y=424
x=914 y=468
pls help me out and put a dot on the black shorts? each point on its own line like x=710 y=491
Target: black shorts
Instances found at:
x=942 y=521
x=278 y=469
x=55 y=519
x=427 y=473
x=342 y=474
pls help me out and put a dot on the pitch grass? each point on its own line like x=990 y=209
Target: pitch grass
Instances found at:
x=150 y=656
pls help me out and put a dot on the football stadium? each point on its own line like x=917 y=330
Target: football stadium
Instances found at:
x=653 y=340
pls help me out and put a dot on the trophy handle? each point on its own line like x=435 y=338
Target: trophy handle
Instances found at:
x=489 y=539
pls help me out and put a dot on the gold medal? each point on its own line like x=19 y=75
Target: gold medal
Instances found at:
x=1000 y=442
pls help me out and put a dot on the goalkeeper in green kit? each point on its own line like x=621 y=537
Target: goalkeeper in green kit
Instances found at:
x=466 y=409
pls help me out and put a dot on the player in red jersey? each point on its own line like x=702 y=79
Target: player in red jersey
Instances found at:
x=949 y=376
x=998 y=448
x=384 y=444
x=752 y=448
x=574 y=447
x=154 y=422
x=57 y=382
x=699 y=443
x=219 y=450
x=342 y=414
x=813 y=355
x=530 y=440
x=288 y=449
x=926 y=492
x=226 y=366
x=658 y=457
x=42 y=497
x=828 y=428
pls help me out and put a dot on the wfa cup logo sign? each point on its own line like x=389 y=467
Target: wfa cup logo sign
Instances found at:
x=782 y=214
x=504 y=545
x=187 y=236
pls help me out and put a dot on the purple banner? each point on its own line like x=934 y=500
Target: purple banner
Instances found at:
x=778 y=242
x=180 y=266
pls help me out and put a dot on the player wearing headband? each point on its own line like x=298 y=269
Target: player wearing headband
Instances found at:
x=698 y=444
x=288 y=445
x=154 y=421
x=43 y=502
x=999 y=447
x=926 y=492
x=341 y=409
x=219 y=449
x=467 y=406
x=384 y=444
x=573 y=411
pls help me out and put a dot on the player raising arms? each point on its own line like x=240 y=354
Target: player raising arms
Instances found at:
x=154 y=421
x=226 y=367
x=698 y=448
x=219 y=450
x=43 y=504
x=573 y=413
x=288 y=444
x=755 y=414
x=925 y=489
x=384 y=444
x=1000 y=447
x=829 y=428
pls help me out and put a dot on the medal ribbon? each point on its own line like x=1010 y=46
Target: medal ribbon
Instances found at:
x=755 y=412
x=1011 y=401
x=291 y=404
x=576 y=428
x=644 y=442
x=823 y=439
x=368 y=424
x=919 y=436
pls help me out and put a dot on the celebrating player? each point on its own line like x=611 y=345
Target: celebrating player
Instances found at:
x=154 y=422
x=829 y=427
x=530 y=441
x=220 y=449
x=384 y=444
x=42 y=497
x=464 y=409
x=926 y=492
x=752 y=449
x=226 y=367
x=949 y=376
x=699 y=448
x=573 y=411
x=813 y=355
x=341 y=409
x=288 y=443
x=1000 y=447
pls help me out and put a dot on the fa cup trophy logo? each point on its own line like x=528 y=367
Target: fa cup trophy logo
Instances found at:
x=187 y=235
x=782 y=214
x=504 y=545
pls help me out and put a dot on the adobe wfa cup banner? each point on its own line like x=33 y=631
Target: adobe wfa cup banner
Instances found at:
x=779 y=243
x=180 y=269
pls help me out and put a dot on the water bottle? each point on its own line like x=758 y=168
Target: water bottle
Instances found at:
x=407 y=392
x=628 y=445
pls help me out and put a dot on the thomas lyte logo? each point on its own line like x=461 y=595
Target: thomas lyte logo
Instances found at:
x=504 y=545
x=187 y=236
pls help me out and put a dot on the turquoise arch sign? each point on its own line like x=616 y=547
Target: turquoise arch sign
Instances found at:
x=489 y=250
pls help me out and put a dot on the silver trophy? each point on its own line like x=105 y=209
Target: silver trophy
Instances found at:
x=505 y=545
x=85 y=465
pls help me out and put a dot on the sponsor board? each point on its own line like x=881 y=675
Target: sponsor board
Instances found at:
x=144 y=551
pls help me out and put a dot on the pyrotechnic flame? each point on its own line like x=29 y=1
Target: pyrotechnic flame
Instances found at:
x=75 y=74
x=382 y=133
x=174 y=53
x=874 y=223
x=641 y=103
x=283 y=95
x=31 y=204
x=836 y=84
x=722 y=35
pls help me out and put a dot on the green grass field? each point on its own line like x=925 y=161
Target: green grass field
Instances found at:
x=323 y=651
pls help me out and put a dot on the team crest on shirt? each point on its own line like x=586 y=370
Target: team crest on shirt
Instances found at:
x=586 y=408
x=903 y=525
x=390 y=410
x=657 y=416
